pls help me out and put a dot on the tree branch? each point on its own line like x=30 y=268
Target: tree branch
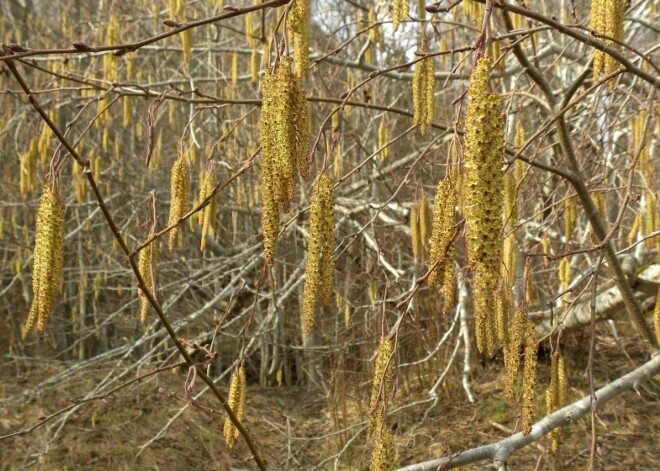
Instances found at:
x=499 y=452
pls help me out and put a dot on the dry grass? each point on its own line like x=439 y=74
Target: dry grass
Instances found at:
x=108 y=434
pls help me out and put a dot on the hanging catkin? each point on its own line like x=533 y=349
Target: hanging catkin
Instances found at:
x=179 y=194
x=284 y=139
x=423 y=84
x=207 y=215
x=607 y=19
x=400 y=10
x=443 y=249
x=483 y=198
x=48 y=259
x=529 y=378
x=382 y=385
x=300 y=29
x=319 y=268
x=147 y=267
x=236 y=402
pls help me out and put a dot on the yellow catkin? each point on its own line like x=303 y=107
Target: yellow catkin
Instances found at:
x=556 y=394
x=382 y=458
x=284 y=139
x=126 y=121
x=442 y=233
x=383 y=139
x=300 y=31
x=569 y=218
x=382 y=385
x=483 y=197
x=207 y=215
x=415 y=233
x=656 y=316
x=504 y=305
x=546 y=243
x=400 y=10
x=319 y=267
x=234 y=70
x=179 y=195
x=236 y=402
x=147 y=267
x=48 y=259
x=512 y=351
x=423 y=85
x=529 y=378
x=564 y=274
x=607 y=19
x=425 y=221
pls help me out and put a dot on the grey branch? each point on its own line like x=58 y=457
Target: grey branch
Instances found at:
x=499 y=452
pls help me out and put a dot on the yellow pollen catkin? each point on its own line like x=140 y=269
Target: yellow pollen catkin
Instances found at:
x=483 y=197
x=512 y=350
x=284 y=139
x=607 y=19
x=207 y=214
x=442 y=232
x=236 y=402
x=529 y=378
x=147 y=266
x=400 y=10
x=47 y=272
x=382 y=458
x=319 y=267
x=423 y=85
x=179 y=195
x=656 y=316
x=300 y=30
x=382 y=385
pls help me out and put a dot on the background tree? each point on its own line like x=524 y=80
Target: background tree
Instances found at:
x=531 y=131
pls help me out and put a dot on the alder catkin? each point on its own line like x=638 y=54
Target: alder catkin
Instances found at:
x=512 y=351
x=382 y=384
x=400 y=10
x=319 y=268
x=48 y=259
x=382 y=458
x=207 y=215
x=607 y=19
x=483 y=197
x=179 y=195
x=529 y=378
x=300 y=31
x=236 y=402
x=656 y=316
x=284 y=140
x=146 y=267
x=442 y=233
x=423 y=85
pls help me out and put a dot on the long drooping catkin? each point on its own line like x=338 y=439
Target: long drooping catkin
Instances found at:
x=208 y=213
x=423 y=84
x=147 y=267
x=48 y=259
x=442 y=250
x=382 y=385
x=529 y=378
x=236 y=401
x=300 y=30
x=400 y=10
x=319 y=268
x=179 y=195
x=382 y=458
x=483 y=198
x=512 y=351
x=607 y=18
x=284 y=139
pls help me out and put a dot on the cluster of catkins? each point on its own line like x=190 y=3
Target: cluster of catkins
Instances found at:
x=284 y=143
x=607 y=19
x=299 y=25
x=483 y=197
